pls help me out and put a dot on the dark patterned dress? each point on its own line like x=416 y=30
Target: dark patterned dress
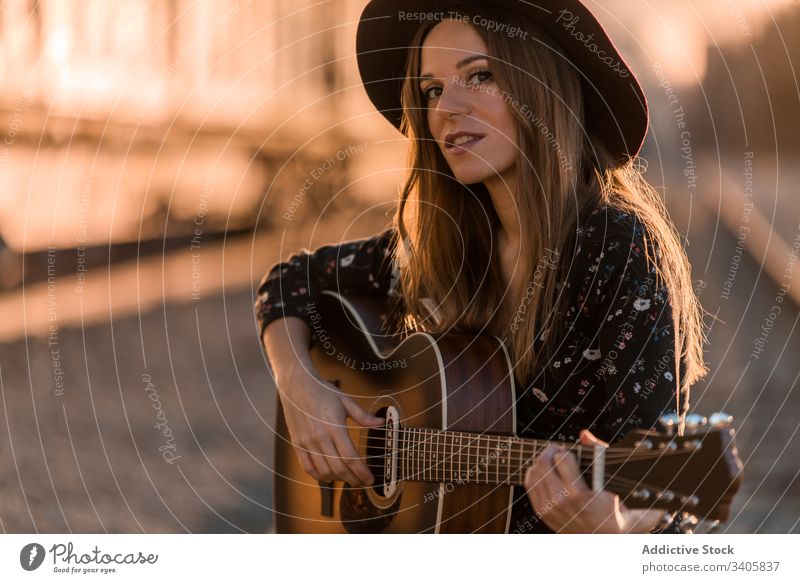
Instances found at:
x=612 y=370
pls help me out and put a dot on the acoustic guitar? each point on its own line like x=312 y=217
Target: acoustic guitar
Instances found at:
x=447 y=458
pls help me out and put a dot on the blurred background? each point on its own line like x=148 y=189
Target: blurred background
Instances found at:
x=159 y=156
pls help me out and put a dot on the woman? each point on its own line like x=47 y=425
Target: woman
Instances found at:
x=524 y=216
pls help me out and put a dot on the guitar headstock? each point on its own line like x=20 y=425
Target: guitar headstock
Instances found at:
x=698 y=472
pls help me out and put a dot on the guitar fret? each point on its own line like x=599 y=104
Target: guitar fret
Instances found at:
x=491 y=456
x=429 y=452
x=411 y=454
x=460 y=438
x=500 y=458
x=428 y=456
x=417 y=453
x=423 y=456
x=441 y=456
x=425 y=464
x=420 y=455
x=414 y=450
x=451 y=477
x=465 y=467
x=431 y=466
x=508 y=464
x=477 y=458
x=436 y=457
x=496 y=458
x=471 y=440
x=452 y=455
x=486 y=458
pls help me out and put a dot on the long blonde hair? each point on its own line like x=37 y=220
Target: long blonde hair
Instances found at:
x=561 y=172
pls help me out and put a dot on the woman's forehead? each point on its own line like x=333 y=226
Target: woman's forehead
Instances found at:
x=450 y=42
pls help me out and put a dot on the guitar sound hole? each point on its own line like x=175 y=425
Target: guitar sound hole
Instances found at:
x=376 y=454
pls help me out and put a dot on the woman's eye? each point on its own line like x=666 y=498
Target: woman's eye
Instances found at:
x=427 y=93
x=476 y=78
x=482 y=76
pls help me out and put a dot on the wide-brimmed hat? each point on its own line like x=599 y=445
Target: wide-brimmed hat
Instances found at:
x=615 y=104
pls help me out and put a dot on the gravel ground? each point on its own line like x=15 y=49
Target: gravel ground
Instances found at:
x=93 y=460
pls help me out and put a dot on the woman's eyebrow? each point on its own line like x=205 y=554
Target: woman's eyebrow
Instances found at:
x=461 y=63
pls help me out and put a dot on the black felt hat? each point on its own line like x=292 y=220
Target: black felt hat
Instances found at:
x=616 y=107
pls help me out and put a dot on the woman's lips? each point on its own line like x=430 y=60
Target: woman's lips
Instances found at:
x=462 y=148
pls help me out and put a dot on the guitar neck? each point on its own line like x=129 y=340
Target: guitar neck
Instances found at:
x=429 y=455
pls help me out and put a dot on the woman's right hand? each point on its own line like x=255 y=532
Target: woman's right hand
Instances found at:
x=316 y=413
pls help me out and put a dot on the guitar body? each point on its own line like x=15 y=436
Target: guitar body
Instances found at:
x=447 y=458
x=454 y=382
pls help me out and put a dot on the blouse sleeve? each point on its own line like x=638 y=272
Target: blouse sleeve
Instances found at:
x=360 y=266
x=633 y=318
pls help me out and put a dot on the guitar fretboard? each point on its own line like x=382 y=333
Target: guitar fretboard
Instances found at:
x=429 y=455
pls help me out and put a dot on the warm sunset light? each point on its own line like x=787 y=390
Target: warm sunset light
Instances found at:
x=362 y=267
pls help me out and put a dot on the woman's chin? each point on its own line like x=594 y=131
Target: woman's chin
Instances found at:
x=472 y=176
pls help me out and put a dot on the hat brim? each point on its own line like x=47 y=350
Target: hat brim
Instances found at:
x=616 y=106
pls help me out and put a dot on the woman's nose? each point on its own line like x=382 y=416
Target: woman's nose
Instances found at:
x=453 y=99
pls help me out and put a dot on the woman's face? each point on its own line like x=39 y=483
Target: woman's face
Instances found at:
x=468 y=115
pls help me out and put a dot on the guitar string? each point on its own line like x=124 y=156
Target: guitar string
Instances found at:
x=493 y=469
x=524 y=442
x=611 y=451
x=612 y=456
x=468 y=435
x=477 y=459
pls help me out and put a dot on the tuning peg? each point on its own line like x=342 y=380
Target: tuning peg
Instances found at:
x=694 y=422
x=669 y=422
x=720 y=420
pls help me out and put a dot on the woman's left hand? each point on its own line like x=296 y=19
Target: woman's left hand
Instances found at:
x=563 y=500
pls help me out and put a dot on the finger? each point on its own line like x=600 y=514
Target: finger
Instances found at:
x=358 y=414
x=566 y=466
x=546 y=491
x=308 y=465
x=323 y=469
x=553 y=482
x=337 y=465
x=532 y=484
x=533 y=477
x=349 y=455
x=642 y=520
x=542 y=463
x=547 y=481
x=588 y=438
x=545 y=461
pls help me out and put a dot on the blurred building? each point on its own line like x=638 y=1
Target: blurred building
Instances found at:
x=127 y=120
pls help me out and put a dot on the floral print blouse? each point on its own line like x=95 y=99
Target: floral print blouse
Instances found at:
x=613 y=368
